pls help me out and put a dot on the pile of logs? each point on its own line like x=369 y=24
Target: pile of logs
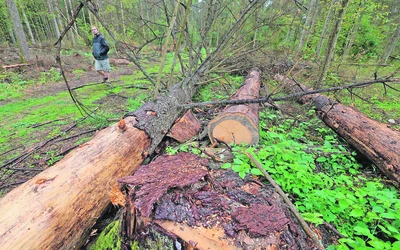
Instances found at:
x=177 y=195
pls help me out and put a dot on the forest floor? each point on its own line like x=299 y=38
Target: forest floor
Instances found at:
x=35 y=139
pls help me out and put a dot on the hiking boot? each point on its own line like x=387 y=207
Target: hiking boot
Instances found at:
x=105 y=79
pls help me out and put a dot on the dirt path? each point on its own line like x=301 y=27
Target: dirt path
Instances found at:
x=24 y=157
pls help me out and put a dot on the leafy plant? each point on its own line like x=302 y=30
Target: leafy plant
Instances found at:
x=325 y=180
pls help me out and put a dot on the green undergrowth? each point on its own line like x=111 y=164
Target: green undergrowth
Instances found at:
x=377 y=103
x=212 y=91
x=109 y=238
x=325 y=180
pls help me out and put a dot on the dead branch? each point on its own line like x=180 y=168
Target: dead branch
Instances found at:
x=288 y=202
x=15 y=65
x=268 y=99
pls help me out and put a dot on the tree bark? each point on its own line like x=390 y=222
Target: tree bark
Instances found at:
x=332 y=44
x=375 y=140
x=392 y=44
x=312 y=7
x=239 y=123
x=19 y=30
x=57 y=208
x=324 y=29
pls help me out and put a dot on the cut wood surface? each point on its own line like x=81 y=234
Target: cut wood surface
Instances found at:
x=239 y=123
x=373 y=139
x=185 y=127
x=181 y=198
x=55 y=209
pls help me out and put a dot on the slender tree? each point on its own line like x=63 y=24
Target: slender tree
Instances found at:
x=332 y=44
x=392 y=44
x=19 y=31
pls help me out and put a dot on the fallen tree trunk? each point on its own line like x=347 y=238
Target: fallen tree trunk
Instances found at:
x=373 y=139
x=57 y=208
x=239 y=123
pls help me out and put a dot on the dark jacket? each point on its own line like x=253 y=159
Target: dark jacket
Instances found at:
x=100 y=47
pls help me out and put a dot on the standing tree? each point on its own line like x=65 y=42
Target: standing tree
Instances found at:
x=19 y=31
x=392 y=44
x=331 y=44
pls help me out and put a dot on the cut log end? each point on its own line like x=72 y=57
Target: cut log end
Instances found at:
x=233 y=128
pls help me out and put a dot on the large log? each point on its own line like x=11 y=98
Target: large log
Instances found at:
x=375 y=140
x=239 y=123
x=57 y=208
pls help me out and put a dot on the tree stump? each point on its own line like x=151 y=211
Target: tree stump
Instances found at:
x=239 y=123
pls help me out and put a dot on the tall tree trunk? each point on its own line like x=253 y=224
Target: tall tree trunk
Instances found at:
x=53 y=17
x=352 y=35
x=11 y=34
x=122 y=17
x=58 y=13
x=324 y=30
x=28 y=26
x=392 y=44
x=304 y=33
x=67 y=14
x=331 y=44
x=19 y=31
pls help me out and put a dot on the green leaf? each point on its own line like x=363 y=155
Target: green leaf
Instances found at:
x=237 y=168
x=357 y=212
x=242 y=174
x=396 y=245
x=313 y=218
x=379 y=244
x=362 y=229
x=226 y=165
x=256 y=171
x=322 y=159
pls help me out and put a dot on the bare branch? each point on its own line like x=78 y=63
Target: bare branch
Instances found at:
x=287 y=97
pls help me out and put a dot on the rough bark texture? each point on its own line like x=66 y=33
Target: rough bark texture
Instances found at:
x=207 y=209
x=239 y=123
x=185 y=127
x=56 y=209
x=156 y=117
x=373 y=139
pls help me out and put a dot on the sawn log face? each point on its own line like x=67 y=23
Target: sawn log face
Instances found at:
x=55 y=209
x=239 y=123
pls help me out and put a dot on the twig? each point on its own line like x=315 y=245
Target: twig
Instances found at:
x=73 y=136
x=12 y=184
x=25 y=169
x=86 y=85
x=44 y=123
x=288 y=202
x=334 y=230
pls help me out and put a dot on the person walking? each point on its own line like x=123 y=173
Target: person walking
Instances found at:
x=100 y=54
